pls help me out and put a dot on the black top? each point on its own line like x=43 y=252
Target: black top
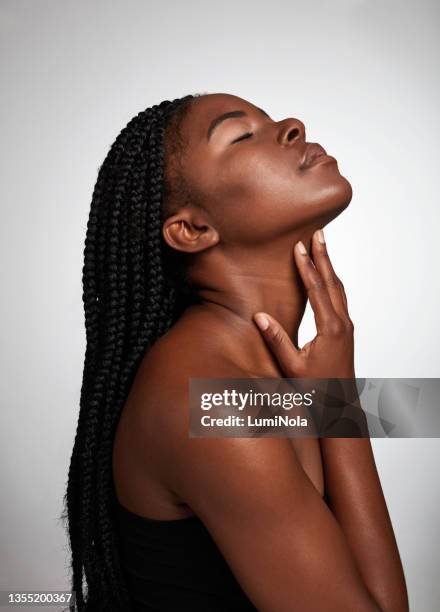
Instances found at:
x=175 y=566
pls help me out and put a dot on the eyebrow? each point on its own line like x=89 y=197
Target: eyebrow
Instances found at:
x=229 y=115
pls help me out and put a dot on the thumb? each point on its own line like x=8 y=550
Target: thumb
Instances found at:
x=279 y=342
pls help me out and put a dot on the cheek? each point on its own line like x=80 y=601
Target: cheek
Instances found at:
x=255 y=200
x=252 y=180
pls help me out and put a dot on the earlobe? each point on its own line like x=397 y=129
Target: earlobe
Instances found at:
x=188 y=232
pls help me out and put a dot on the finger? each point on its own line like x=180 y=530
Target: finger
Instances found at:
x=279 y=342
x=344 y=297
x=326 y=317
x=323 y=264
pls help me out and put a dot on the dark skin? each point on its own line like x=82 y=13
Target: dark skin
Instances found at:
x=260 y=498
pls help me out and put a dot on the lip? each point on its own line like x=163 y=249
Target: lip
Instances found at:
x=315 y=154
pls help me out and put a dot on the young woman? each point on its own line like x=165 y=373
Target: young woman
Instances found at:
x=204 y=243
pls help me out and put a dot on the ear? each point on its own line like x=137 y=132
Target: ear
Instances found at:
x=189 y=231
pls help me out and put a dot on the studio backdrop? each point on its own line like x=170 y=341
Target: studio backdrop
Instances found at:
x=363 y=77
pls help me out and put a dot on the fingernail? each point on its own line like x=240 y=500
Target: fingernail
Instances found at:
x=301 y=247
x=262 y=321
x=321 y=236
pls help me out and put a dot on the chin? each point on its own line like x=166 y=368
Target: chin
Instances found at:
x=344 y=192
x=338 y=194
x=332 y=200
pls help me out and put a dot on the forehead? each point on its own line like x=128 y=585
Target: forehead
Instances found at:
x=207 y=108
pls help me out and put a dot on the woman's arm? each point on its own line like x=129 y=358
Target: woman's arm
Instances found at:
x=278 y=536
x=357 y=502
x=351 y=479
x=284 y=546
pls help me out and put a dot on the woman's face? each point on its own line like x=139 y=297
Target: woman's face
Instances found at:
x=247 y=168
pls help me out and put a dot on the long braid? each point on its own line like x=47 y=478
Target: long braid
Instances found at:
x=129 y=302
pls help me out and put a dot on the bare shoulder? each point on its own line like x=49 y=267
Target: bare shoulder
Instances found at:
x=176 y=357
x=158 y=401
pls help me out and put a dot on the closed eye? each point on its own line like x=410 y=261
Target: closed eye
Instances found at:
x=242 y=137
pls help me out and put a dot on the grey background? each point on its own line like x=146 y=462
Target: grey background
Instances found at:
x=361 y=75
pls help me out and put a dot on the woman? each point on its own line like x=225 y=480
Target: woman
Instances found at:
x=201 y=252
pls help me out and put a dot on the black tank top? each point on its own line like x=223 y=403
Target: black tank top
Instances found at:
x=175 y=566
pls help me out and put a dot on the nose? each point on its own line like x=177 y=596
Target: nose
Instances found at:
x=291 y=131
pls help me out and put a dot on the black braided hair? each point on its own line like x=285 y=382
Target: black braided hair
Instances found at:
x=132 y=295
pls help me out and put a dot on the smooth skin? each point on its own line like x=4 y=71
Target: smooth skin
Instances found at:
x=260 y=498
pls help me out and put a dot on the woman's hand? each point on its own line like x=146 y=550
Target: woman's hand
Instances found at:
x=331 y=353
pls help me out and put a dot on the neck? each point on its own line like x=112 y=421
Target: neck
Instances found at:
x=264 y=280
